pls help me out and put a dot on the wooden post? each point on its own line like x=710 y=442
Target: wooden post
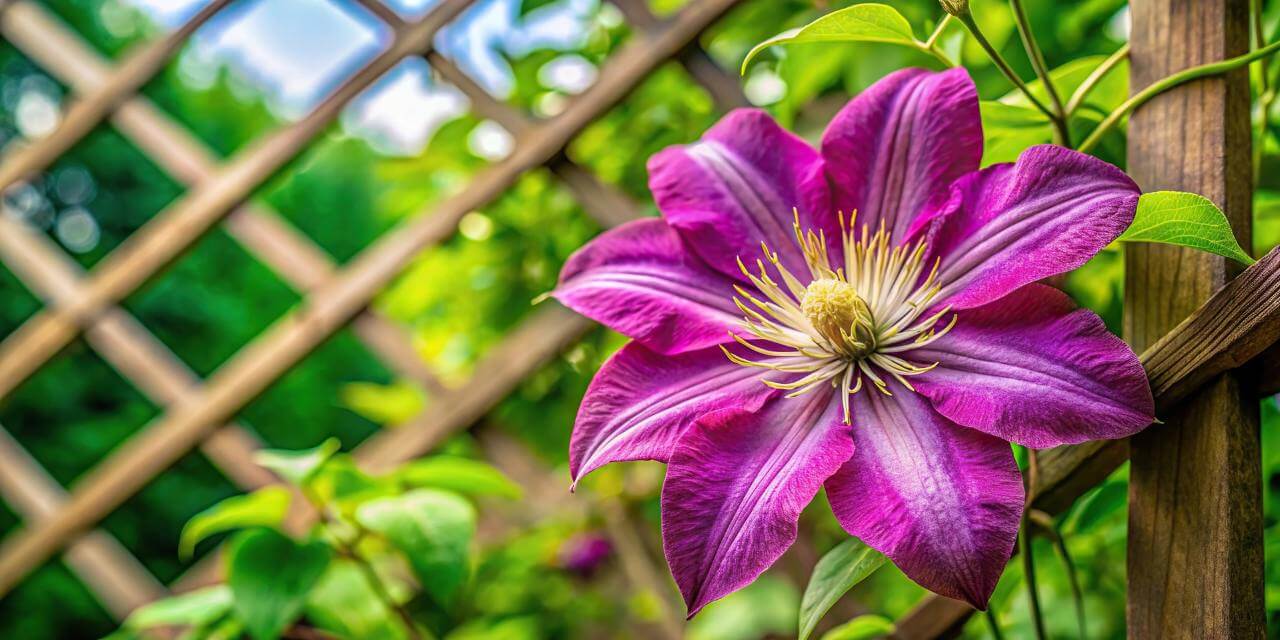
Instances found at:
x=1195 y=516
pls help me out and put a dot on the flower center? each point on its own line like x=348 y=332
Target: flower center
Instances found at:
x=836 y=311
x=858 y=317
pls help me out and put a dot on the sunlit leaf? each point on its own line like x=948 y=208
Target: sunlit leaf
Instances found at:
x=1009 y=129
x=462 y=475
x=297 y=466
x=835 y=574
x=388 y=404
x=433 y=529
x=193 y=609
x=341 y=484
x=345 y=604
x=1186 y=220
x=870 y=22
x=265 y=507
x=270 y=576
x=1101 y=503
x=861 y=628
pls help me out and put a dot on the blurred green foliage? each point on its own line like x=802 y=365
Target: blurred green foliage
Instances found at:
x=459 y=299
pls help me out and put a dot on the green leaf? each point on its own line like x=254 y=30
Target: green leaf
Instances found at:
x=433 y=529
x=834 y=575
x=869 y=22
x=861 y=628
x=1009 y=129
x=1185 y=220
x=270 y=576
x=345 y=604
x=1106 y=95
x=297 y=466
x=265 y=507
x=462 y=475
x=194 y=609
x=340 y=483
x=1101 y=503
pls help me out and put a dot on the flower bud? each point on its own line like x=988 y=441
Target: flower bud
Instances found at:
x=955 y=7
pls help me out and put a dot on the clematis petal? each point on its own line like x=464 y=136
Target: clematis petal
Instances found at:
x=1032 y=368
x=901 y=143
x=738 y=186
x=940 y=500
x=640 y=403
x=735 y=487
x=1012 y=224
x=640 y=280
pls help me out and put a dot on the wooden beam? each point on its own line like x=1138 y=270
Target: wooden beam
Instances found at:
x=604 y=203
x=1195 y=483
x=90 y=107
x=724 y=87
x=323 y=312
x=114 y=576
x=127 y=346
x=175 y=229
x=263 y=232
x=1240 y=322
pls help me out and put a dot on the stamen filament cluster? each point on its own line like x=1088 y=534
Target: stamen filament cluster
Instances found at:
x=852 y=321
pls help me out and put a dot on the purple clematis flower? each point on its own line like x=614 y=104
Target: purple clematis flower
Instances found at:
x=890 y=355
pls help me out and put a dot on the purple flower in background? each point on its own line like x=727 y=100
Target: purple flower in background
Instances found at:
x=890 y=354
x=584 y=553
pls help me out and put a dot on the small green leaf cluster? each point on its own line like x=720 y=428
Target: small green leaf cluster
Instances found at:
x=386 y=556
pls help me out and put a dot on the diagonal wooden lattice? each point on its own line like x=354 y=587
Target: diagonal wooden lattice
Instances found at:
x=129 y=348
x=1230 y=329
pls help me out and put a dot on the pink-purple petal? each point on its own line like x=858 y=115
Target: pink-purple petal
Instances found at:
x=940 y=500
x=1034 y=369
x=640 y=280
x=1013 y=224
x=736 y=485
x=641 y=402
x=900 y=144
x=738 y=186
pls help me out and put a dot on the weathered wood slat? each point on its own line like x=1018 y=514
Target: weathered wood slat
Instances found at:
x=1240 y=321
x=175 y=229
x=725 y=88
x=91 y=107
x=114 y=576
x=1195 y=482
x=127 y=346
x=266 y=235
x=281 y=346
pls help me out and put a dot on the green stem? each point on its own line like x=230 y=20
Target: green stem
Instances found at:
x=1255 y=9
x=1168 y=83
x=931 y=47
x=1046 y=523
x=1036 y=56
x=993 y=625
x=937 y=31
x=1029 y=570
x=347 y=549
x=968 y=21
x=1090 y=83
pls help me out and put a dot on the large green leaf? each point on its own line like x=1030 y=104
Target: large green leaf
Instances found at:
x=297 y=466
x=1186 y=220
x=270 y=576
x=834 y=575
x=194 y=609
x=869 y=22
x=861 y=628
x=433 y=529
x=462 y=475
x=345 y=604
x=265 y=507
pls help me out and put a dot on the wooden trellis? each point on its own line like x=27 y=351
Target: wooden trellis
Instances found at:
x=1231 y=329
x=77 y=301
